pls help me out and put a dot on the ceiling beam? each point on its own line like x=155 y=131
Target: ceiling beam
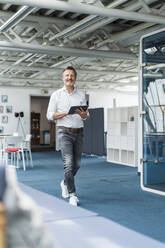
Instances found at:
x=18 y=80
x=46 y=69
x=104 y=21
x=32 y=19
x=75 y=6
x=64 y=51
x=84 y=23
x=16 y=18
x=122 y=35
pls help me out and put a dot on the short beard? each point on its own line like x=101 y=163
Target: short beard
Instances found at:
x=69 y=84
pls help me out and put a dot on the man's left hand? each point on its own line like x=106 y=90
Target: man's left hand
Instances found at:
x=82 y=113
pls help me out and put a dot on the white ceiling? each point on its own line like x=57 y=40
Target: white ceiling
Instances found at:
x=99 y=38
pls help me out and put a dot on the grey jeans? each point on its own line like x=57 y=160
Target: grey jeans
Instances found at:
x=71 y=145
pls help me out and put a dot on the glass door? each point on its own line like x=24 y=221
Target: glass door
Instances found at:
x=152 y=112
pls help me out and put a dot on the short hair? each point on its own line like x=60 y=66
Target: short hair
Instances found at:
x=70 y=68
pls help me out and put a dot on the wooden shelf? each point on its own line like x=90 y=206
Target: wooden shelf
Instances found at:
x=35 y=128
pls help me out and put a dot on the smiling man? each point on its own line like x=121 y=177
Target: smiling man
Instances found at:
x=69 y=129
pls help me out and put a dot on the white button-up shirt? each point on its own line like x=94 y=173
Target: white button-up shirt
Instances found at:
x=61 y=101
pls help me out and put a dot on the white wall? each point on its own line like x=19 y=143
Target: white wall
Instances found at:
x=19 y=98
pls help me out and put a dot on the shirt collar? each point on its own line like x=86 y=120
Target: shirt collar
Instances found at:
x=64 y=89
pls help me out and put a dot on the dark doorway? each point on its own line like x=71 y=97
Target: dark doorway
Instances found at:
x=42 y=130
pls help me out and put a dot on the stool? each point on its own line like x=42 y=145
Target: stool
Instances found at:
x=13 y=152
x=13 y=145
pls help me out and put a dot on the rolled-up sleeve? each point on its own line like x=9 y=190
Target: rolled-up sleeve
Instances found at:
x=52 y=107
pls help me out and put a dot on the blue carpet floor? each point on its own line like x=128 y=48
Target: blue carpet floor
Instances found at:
x=111 y=190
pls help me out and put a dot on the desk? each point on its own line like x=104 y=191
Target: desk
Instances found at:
x=2 y=136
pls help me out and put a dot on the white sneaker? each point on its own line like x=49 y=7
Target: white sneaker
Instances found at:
x=73 y=200
x=65 y=193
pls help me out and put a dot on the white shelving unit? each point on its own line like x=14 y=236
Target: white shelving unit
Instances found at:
x=122 y=135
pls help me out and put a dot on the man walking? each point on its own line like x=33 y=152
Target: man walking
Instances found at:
x=69 y=129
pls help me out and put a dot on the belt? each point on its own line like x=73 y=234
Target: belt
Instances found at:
x=73 y=130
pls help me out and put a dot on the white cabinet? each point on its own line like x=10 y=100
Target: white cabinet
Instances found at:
x=122 y=135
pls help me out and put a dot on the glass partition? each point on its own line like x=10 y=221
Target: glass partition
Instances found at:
x=152 y=97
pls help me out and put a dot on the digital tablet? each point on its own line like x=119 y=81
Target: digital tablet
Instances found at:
x=73 y=108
